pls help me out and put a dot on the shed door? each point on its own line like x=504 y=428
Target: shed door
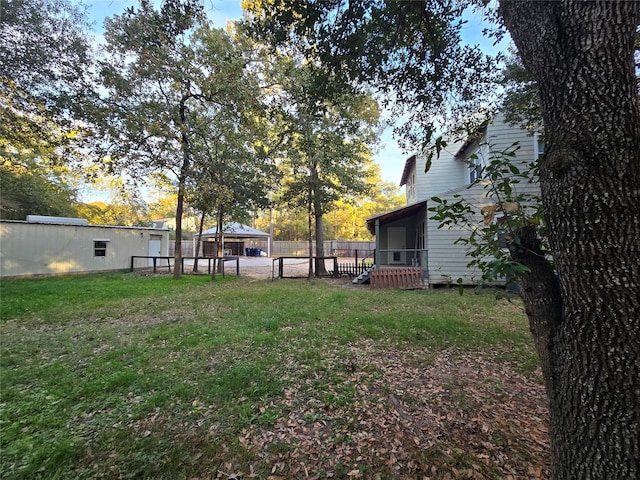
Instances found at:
x=396 y=244
x=155 y=247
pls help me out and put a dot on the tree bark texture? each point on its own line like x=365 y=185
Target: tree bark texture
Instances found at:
x=320 y=269
x=310 y=228
x=581 y=55
x=177 y=257
x=199 y=241
x=540 y=292
x=182 y=180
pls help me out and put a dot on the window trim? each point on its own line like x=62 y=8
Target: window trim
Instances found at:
x=411 y=186
x=100 y=247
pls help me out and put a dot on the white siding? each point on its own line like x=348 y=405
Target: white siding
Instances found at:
x=446 y=173
x=449 y=175
x=447 y=259
x=501 y=136
x=45 y=249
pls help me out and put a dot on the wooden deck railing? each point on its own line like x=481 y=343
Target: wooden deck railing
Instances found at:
x=398 y=277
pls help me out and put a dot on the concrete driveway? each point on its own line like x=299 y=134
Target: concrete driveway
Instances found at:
x=259 y=267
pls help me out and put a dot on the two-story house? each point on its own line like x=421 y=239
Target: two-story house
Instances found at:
x=408 y=236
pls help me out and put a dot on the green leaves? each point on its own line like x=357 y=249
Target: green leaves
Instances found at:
x=450 y=212
x=31 y=190
x=521 y=104
x=410 y=53
x=326 y=150
x=44 y=51
x=180 y=99
x=43 y=86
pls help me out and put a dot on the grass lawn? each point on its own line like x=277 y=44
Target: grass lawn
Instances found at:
x=124 y=376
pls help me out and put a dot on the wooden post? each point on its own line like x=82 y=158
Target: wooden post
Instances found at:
x=376 y=253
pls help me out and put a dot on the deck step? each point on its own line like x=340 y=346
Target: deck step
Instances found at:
x=363 y=278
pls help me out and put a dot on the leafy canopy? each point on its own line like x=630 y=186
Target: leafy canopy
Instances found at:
x=410 y=52
x=43 y=80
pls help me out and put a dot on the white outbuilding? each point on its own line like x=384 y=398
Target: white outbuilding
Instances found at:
x=58 y=245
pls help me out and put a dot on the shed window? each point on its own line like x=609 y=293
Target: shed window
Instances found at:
x=99 y=248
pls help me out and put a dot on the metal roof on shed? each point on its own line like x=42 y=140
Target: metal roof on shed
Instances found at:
x=235 y=229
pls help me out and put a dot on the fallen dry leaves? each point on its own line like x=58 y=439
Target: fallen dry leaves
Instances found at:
x=391 y=413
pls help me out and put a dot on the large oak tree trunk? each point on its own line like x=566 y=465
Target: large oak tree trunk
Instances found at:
x=588 y=331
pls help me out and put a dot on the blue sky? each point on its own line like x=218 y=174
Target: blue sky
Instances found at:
x=389 y=155
x=219 y=11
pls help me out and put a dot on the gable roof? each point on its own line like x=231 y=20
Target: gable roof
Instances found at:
x=471 y=139
x=408 y=166
x=235 y=229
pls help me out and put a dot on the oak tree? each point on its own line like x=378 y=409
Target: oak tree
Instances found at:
x=46 y=54
x=232 y=174
x=165 y=72
x=584 y=310
x=330 y=129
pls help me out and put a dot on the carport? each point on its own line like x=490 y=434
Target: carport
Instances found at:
x=235 y=239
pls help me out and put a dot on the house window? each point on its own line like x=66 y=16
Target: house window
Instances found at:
x=411 y=186
x=475 y=168
x=538 y=145
x=100 y=248
x=397 y=257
